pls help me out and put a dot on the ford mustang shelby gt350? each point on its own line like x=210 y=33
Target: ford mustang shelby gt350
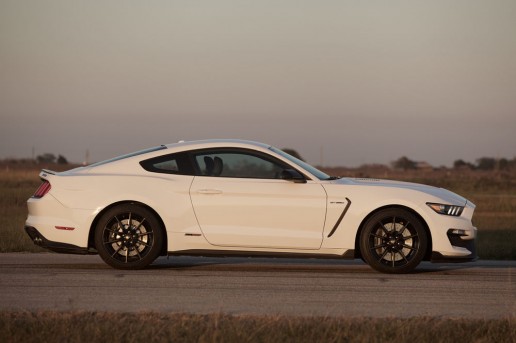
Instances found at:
x=233 y=197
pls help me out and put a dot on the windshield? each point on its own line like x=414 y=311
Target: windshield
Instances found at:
x=118 y=158
x=312 y=170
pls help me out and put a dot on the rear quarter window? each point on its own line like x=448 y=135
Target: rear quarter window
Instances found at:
x=178 y=163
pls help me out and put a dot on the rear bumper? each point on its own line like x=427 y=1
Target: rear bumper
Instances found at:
x=58 y=247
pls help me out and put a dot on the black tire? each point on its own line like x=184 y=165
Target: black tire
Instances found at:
x=128 y=236
x=393 y=241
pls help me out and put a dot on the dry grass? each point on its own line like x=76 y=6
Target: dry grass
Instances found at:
x=16 y=186
x=155 y=327
x=494 y=194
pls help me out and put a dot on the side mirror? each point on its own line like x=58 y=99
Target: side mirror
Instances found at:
x=293 y=175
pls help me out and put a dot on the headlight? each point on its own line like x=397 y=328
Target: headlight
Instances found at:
x=449 y=210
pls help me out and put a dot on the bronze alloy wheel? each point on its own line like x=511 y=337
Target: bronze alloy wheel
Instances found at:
x=128 y=237
x=393 y=241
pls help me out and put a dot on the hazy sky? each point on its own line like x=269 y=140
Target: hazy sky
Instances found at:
x=359 y=81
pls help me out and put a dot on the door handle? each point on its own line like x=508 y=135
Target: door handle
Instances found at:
x=209 y=191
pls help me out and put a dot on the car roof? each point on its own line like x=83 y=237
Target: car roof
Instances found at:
x=209 y=143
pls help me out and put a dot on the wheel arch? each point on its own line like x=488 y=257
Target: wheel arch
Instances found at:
x=91 y=235
x=428 y=253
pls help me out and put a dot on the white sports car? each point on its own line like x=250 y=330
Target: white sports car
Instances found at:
x=233 y=197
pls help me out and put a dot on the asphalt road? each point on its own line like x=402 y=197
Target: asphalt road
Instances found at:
x=301 y=287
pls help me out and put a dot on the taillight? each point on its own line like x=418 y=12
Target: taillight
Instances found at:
x=43 y=189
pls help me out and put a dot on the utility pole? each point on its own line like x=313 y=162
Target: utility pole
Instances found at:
x=86 y=158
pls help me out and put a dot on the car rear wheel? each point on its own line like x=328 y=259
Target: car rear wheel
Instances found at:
x=393 y=241
x=128 y=236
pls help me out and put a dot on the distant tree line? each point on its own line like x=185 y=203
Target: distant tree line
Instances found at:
x=487 y=163
x=48 y=158
x=483 y=163
x=402 y=163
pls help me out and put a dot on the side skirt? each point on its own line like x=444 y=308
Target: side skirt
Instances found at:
x=349 y=254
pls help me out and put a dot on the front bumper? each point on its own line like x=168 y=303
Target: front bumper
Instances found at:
x=437 y=257
x=58 y=247
x=467 y=246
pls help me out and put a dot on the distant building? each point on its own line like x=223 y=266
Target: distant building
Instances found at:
x=425 y=166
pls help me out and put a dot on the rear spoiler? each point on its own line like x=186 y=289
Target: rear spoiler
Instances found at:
x=45 y=172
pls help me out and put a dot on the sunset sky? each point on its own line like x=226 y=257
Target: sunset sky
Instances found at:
x=342 y=82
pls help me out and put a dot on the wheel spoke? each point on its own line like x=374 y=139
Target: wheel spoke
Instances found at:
x=119 y=223
x=115 y=241
x=393 y=224
x=137 y=252
x=139 y=225
x=392 y=257
x=117 y=250
x=129 y=221
x=403 y=255
x=377 y=236
x=111 y=229
x=144 y=234
x=383 y=255
x=126 y=255
x=379 y=246
x=404 y=228
x=408 y=237
x=143 y=243
x=384 y=229
x=409 y=247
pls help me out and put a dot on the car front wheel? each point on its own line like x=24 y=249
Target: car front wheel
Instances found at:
x=128 y=236
x=393 y=241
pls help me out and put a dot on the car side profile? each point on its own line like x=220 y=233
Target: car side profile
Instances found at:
x=234 y=197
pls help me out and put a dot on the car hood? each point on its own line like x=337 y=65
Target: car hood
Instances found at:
x=444 y=194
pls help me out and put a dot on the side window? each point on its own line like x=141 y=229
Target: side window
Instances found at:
x=169 y=164
x=238 y=164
